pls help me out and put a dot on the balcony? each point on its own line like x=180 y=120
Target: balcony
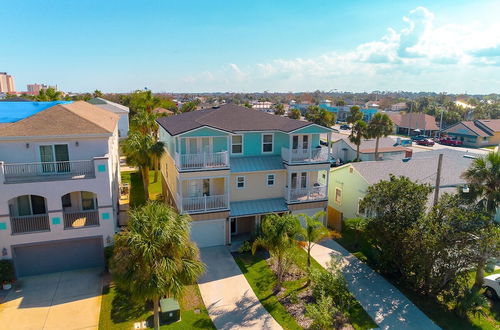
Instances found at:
x=48 y=171
x=30 y=224
x=202 y=160
x=301 y=195
x=202 y=204
x=311 y=155
x=81 y=219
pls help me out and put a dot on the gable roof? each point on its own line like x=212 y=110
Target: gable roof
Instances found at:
x=230 y=118
x=483 y=127
x=386 y=144
x=77 y=118
x=422 y=168
x=414 y=120
x=108 y=105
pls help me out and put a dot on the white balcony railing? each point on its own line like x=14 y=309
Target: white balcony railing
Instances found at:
x=48 y=171
x=311 y=155
x=202 y=204
x=306 y=194
x=202 y=160
x=30 y=223
x=80 y=219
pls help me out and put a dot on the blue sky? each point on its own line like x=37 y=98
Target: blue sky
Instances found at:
x=244 y=46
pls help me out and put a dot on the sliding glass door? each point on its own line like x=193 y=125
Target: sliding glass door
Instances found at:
x=54 y=158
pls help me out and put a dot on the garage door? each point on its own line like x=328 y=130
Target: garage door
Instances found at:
x=58 y=256
x=207 y=233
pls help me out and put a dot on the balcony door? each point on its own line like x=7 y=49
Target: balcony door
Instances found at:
x=199 y=145
x=199 y=188
x=54 y=158
x=300 y=142
x=299 y=180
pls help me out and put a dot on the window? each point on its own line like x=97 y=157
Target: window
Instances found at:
x=88 y=201
x=240 y=182
x=267 y=143
x=237 y=144
x=270 y=179
x=55 y=158
x=338 y=196
x=30 y=205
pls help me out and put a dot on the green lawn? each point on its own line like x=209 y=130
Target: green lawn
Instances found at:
x=436 y=311
x=490 y=147
x=134 y=179
x=119 y=312
x=262 y=280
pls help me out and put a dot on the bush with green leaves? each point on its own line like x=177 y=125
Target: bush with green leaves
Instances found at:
x=245 y=247
x=333 y=284
x=323 y=312
x=472 y=302
x=6 y=271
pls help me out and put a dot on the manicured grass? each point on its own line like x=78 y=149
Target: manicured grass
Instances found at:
x=439 y=313
x=118 y=311
x=134 y=180
x=490 y=147
x=262 y=280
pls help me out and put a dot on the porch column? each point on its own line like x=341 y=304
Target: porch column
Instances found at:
x=226 y=189
x=290 y=148
x=180 y=196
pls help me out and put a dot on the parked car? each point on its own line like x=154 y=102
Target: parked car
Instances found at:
x=334 y=162
x=425 y=142
x=345 y=127
x=450 y=142
x=492 y=285
x=419 y=137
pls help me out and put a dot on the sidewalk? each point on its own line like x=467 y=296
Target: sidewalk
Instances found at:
x=386 y=305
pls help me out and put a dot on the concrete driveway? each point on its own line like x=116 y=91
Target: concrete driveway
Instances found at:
x=67 y=300
x=230 y=301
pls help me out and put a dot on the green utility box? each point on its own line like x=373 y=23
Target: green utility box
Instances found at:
x=169 y=310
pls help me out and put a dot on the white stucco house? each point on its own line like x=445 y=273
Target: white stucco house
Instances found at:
x=119 y=109
x=59 y=187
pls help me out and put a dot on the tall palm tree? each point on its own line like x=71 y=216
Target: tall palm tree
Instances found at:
x=483 y=179
x=312 y=233
x=278 y=236
x=49 y=94
x=379 y=126
x=145 y=122
x=358 y=133
x=354 y=115
x=139 y=149
x=157 y=150
x=154 y=256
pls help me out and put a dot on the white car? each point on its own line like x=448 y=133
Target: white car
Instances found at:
x=492 y=285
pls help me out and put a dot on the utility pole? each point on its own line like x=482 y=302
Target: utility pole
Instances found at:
x=438 y=179
x=409 y=118
x=441 y=123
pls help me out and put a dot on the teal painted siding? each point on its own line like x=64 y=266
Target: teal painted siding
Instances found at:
x=252 y=144
x=168 y=140
x=204 y=132
x=220 y=144
x=183 y=146
x=312 y=129
x=281 y=140
x=315 y=140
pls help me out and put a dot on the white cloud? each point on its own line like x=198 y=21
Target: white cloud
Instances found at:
x=419 y=51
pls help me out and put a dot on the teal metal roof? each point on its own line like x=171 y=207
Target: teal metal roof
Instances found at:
x=258 y=206
x=258 y=163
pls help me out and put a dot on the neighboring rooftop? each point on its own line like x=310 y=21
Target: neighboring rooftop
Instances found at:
x=414 y=120
x=163 y=111
x=10 y=112
x=15 y=99
x=422 y=168
x=108 y=105
x=386 y=144
x=64 y=119
x=231 y=118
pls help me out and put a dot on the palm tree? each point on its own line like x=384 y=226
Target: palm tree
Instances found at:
x=483 y=179
x=312 y=233
x=380 y=126
x=49 y=94
x=358 y=225
x=139 y=149
x=354 y=115
x=157 y=150
x=97 y=93
x=279 y=109
x=358 y=133
x=294 y=114
x=278 y=236
x=154 y=256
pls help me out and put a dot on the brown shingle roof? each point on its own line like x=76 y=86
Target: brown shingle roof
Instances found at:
x=492 y=124
x=64 y=119
x=231 y=118
x=367 y=146
x=415 y=120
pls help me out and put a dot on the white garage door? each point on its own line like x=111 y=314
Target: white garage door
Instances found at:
x=207 y=233
x=309 y=212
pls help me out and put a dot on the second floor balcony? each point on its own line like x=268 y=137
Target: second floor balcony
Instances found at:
x=308 y=194
x=309 y=155
x=48 y=171
x=203 y=160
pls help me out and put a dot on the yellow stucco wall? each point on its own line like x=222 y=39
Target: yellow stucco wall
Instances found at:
x=256 y=187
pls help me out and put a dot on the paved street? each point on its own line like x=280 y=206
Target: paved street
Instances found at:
x=67 y=300
x=230 y=301
x=387 y=306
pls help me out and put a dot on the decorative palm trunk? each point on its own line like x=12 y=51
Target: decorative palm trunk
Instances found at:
x=145 y=181
x=376 y=148
x=478 y=283
x=309 y=247
x=156 y=313
x=156 y=163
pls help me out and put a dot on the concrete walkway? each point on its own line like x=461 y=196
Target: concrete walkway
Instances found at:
x=230 y=301
x=387 y=306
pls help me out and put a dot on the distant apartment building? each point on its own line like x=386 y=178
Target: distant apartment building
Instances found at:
x=36 y=88
x=6 y=83
x=59 y=185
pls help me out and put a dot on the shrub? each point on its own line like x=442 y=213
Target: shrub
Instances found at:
x=333 y=284
x=7 y=271
x=322 y=312
x=472 y=302
x=245 y=247
x=108 y=253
